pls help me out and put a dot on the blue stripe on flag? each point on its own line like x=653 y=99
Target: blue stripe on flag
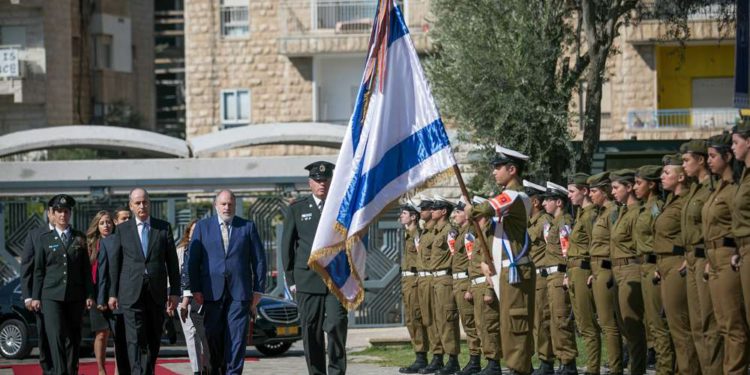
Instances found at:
x=398 y=160
x=398 y=26
x=357 y=118
x=339 y=269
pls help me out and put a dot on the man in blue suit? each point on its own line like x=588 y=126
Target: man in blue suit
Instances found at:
x=227 y=271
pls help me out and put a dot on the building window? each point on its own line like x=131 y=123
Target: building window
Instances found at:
x=103 y=51
x=235 y=18
x=235 y=108
x=13 y=36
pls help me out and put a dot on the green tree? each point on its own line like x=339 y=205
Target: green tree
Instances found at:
x=499 y=68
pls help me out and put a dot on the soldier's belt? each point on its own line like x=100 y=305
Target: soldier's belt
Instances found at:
x=479 y=280
x=678 y=250
x=407 y=273
x=460 y=275
x=521 y=261
x=649 y=258
x=743 y=241
x=441 y=273
x=424 y=273
x=699 y=251
x=722 y=242
x=617 y=262
x=582 y=263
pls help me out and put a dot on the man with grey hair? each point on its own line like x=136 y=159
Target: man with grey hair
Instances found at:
x=142 y=249
x=227 y=271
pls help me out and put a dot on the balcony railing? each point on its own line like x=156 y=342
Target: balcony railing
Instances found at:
x=708 y=12
x=300 y=17
x=690 y=118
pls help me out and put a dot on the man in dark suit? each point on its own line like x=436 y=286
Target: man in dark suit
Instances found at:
x=143 y=255
x=319 y=309
x=227 y=270
x=30 y=247
x=116 y=321
x=62 y=286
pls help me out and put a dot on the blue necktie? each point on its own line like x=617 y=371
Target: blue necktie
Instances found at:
x=144 y=238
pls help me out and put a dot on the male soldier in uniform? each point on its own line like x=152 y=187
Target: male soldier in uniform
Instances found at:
x=424 y=286
x=579 y=271
x=461 y=286
x=557 y=237
x=538 y=220
x=409 y=218
x=444 y=309
x=319 y=309
x=30 y=246
x=513 y=270
x=601 y=281
x=486 y=309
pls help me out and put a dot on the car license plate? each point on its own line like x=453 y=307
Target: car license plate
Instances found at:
x=287 y=331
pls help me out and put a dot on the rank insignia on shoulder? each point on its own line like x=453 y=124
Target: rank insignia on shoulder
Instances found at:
x=306 y=217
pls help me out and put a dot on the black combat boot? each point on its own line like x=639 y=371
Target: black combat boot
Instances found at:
x=435 y=364
x=569 y=368
x=472 y=367
x=545 y=368
x=451 y=367
x=492 y=368
x=419 y=363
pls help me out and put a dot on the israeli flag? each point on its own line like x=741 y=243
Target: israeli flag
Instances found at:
x=394 y=143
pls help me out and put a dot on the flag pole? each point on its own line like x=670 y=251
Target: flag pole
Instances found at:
x=477 y=228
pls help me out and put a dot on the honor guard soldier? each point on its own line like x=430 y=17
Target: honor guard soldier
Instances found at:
x=705 y=331
x=538 y=220
x=647 y=191
x=486 y=309
x=409 y=218
x=319 y=309
x=724 y=282
x=62 y=285
x=424 y=286
x=670 y=259
x=741 y=210
x=579 y=270
x=602 y=282
x=444 y=309
x=627 y=270
x=514 y=272
x=557 y=237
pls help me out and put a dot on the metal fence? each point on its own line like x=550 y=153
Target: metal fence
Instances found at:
x=690 y=118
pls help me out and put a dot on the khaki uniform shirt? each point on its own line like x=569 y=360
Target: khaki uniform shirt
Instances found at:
x=741 y=209
x=511 y=208
x=580 y=237
x=643 y=233
x=410 y=260
x=667 y=225
x=717 y=212
x=557 y=236
x=459 y=260
x=536 y=235
x=690 y=217
x=600 y=233
x=424 y=246
x=621 y=241
x=440 y=254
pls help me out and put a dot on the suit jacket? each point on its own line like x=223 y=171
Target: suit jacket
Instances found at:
x=299 y=232
x=27 y=259
x=103 y=281
x=242 y=269
x=62 y=271
x=129 y=268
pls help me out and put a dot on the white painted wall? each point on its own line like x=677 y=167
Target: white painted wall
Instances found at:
x=337 y=80
x=122 y=40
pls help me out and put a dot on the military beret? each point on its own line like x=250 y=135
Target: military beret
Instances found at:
x=533 y=189
x=720 y=141
x=599 y=179
x=506 y=156
x=438 y=202
x=649 y=172
x=672 y=159
x=425 y=204
x=622 y=175
x=62 y=201
x=579 y=179
x=320 y=170
x=743 y=126
x=555 y=191
x=695 y=146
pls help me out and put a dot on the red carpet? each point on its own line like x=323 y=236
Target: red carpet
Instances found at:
x=89 y=368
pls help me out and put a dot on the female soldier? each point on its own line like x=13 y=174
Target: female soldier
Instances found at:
x=703 y=326
x=647 y=190
x=724 y=281
x=669 y=262
x=100 y=227
x=741 y=211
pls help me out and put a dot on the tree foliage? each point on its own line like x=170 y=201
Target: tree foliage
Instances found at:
x=499 y=69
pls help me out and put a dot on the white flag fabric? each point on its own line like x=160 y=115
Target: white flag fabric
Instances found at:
x=394 y=143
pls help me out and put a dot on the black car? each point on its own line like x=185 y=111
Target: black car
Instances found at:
x=275 y=329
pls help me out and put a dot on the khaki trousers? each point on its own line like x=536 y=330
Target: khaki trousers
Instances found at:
x=582 y=300
x=517 y=318
x=542 y=321
x=562 y=329
x=656 y=323
x=487 y=318
x=604 y=300
x=706 y=338
x=630 y=299
x=445 y=314
x=424 y=287
x=413 y=314
x=674 y=296
x=466 y=311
